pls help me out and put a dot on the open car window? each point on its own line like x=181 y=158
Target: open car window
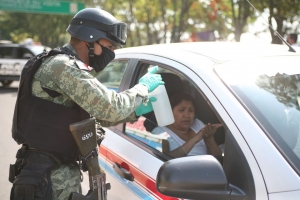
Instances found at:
x=162 y=139
x=146 y=128
x=143 y=130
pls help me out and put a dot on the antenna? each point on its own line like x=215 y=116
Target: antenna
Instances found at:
x=275 y=32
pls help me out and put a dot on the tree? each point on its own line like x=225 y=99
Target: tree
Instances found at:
x=45 y=28
x=240 y=13
x=162 y=21
x=158 y=21
x=284 y=14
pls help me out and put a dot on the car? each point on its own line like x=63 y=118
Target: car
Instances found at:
x=253 y=90
x=13 y=57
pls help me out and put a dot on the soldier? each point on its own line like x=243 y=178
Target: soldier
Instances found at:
x=62 y=91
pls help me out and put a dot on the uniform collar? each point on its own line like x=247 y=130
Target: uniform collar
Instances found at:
x=69 y=46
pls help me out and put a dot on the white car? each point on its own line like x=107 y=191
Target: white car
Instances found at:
x=12 y=59
x=252 y=90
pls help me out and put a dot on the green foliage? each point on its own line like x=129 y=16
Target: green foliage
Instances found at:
x=285 y=14
x=45 y=28
x=155 y=21
x=161 y=21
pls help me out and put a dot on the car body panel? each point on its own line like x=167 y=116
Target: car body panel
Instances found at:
x=285 y=195
x=14 y=56
x=143 y=171
x=11 y=68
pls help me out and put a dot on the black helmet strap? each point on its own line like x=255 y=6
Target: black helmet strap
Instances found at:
x=91 y=49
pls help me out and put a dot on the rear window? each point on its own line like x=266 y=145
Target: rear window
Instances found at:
x=6 y=52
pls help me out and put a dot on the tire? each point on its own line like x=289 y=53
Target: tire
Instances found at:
x=6 y=83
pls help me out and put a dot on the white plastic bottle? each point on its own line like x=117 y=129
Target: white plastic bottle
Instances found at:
x=162 y=108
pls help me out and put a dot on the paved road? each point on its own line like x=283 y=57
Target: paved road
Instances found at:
x=8 y=147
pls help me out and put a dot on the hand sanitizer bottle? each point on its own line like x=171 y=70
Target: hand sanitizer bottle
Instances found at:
x=162 y=108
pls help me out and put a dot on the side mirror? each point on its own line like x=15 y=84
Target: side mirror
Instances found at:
x=193 y=177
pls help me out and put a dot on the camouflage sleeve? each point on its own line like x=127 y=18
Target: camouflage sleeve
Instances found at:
x=131 y=118
x=81 y=87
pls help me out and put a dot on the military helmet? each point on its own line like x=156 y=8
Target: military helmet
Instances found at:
x=92 y=24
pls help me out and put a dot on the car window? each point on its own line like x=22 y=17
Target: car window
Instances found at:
x=112 y=74
x=143 y=128
x=6 y=52
x=163 y=139
x=23 y=53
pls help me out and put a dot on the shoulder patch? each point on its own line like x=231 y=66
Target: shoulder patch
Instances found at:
x=83 y=66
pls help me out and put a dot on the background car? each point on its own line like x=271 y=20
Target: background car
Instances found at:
x=252 y=90
x=13 y=57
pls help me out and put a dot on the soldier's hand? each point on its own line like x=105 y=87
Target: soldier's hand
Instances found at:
x=151 y=80
x=143 y=109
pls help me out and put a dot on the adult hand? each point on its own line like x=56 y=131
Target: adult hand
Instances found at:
x=143 y=109
x=210 y=129
x=151 y=80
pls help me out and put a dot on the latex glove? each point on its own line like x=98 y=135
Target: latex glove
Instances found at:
x=151 y=80
x=143 y=109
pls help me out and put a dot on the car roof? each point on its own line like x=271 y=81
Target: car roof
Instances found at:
x=16 y=45
x=217 y=51
x=34 y=48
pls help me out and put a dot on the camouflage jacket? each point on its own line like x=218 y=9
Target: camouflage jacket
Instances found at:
x=59 y=73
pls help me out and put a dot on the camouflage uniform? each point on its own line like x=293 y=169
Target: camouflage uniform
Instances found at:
x=61 y=74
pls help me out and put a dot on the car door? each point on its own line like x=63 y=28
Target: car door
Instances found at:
x=133 y=155
x=12 y=61
x=122 y=187
x=127 y=172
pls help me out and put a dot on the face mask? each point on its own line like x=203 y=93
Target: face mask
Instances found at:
x=99 y=62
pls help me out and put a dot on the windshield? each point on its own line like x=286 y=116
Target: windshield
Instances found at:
x=270 y=89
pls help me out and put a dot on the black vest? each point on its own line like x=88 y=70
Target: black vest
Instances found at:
x=41 y=124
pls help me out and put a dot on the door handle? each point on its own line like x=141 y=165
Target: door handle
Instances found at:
x=123 y=172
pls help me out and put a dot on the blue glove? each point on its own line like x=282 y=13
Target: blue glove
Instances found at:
x=142 y=109
x=151 y=80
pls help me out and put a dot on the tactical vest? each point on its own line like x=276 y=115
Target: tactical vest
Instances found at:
x=41 y=124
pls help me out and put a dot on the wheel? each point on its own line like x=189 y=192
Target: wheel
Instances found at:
x=6 y=83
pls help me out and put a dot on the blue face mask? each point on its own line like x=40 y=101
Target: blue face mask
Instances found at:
x=99 y=62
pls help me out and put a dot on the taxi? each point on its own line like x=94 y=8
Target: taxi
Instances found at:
x=252 y=90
